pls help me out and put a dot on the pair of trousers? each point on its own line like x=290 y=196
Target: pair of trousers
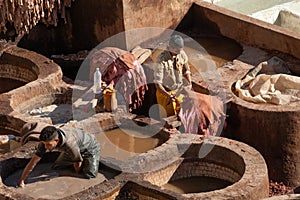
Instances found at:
x=90 y=163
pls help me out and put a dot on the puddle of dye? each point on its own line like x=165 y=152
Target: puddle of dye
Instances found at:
x=7 y=84
x=196 y=184
x=46 y=183
x=123 y=143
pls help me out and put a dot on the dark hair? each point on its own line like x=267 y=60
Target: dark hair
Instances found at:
x=176 y=41
x=48 y=133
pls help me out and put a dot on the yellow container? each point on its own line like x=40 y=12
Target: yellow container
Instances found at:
x=110 y=100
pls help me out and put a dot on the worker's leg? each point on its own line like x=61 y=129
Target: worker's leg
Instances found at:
x=63 y=161
x=90 y=163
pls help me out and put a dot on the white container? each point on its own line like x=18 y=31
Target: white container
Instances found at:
x=97 y=81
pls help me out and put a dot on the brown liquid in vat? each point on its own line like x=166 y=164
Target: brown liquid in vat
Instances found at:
x=196 y=184
x=123 y=143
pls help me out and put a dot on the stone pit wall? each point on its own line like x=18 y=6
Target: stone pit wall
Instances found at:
x=207 y=169
x=49 y=75
x=229 y=160
x=41 y=75
x=11 y=123
x=23 y=75
x=91 y=22
x=243 y=29
x=95 y=20
x=273 y=131
x=251 y=184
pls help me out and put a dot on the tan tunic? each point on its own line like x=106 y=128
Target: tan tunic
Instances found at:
x=171 y=69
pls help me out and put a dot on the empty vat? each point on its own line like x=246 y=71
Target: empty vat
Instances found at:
x=29 y=75
x=15 y=73
x=229 y=169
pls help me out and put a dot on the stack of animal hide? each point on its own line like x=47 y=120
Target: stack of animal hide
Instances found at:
x=25 y=14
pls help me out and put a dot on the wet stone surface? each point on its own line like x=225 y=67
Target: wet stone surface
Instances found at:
x=45 y=182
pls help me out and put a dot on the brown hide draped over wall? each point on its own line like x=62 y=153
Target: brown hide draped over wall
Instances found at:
x=24 y=14
x=121 y=68
x=83 y=25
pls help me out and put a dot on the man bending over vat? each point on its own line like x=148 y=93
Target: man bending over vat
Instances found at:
x=77 y=148
x=199 y=113
x=171 y=75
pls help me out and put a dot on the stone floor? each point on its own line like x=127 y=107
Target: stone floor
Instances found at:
x=46 y=183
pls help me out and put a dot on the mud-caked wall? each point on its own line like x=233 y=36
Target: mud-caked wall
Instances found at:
x=88 y=23
x=95 y=20
x=48 y=40
x=153 y=13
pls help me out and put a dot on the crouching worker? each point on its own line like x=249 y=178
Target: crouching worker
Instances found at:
x=77 y=148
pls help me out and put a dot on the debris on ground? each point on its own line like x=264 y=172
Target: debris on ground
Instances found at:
x=278 y=188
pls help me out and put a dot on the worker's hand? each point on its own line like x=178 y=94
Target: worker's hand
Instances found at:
x=21 y=184
x=171 y=99
x=77 y=166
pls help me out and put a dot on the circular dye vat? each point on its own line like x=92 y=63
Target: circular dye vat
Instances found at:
x=15 y=72
x=7 y=84
x=205 y=175
x=273 y=130
x=122 y=143
x=24 y=76
x=211 y=168
x=196 y=184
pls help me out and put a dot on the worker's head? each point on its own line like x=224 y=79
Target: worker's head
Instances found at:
x=49 y=137
x=176 y=43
